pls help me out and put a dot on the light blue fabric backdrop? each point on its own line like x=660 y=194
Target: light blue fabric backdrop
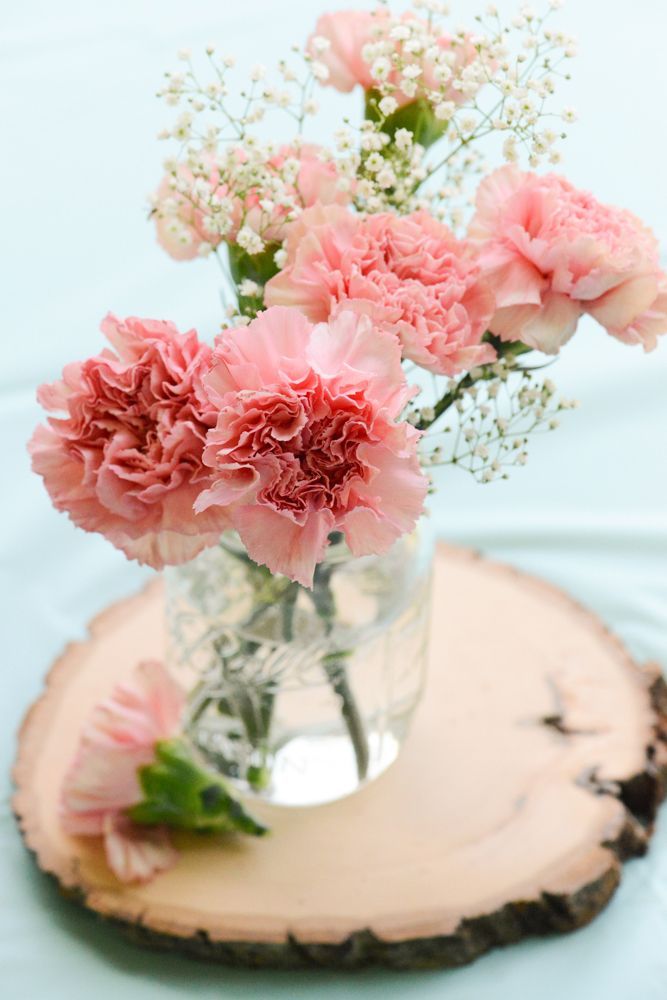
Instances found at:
x=77 y=119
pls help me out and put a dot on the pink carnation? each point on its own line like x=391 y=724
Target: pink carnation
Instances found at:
x=317 y=183
x=183 y=218
x=552 y=253
x=409 y=273
x=125 y=457
x=307 y=440
x=102 y=783
x=348 y=32
x=212 y=207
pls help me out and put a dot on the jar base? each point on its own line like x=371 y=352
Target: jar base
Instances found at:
x=315 y=769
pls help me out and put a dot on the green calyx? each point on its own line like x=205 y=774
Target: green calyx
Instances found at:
x=417 y=117
x=182 y=794
x=259 y=267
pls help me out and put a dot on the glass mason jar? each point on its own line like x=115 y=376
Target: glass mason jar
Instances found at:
x=301 y=696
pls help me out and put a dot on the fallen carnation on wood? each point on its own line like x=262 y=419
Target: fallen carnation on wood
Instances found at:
x=134 y=777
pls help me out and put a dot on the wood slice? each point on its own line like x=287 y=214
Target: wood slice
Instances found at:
x=534 y=768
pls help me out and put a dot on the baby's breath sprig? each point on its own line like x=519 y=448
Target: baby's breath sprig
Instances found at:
x=223 y=184
x=491 y=414
x=432 y=84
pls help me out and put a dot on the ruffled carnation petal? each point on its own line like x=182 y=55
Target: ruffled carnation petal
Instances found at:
x=349 y=351
x=647 y=327
x=622 y=305
x=390 y=503
x=101 y=780
x=119 y=738
x=545 y=327
x=276 y=541
x=141 y=711
x=136 y=853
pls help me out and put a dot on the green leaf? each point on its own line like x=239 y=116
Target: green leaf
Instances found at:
x=180 y=793
x=417 y=117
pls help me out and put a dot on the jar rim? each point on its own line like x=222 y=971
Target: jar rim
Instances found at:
x=337 y=551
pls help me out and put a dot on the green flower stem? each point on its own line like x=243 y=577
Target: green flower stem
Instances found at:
x=335 y=669
x=259 y=776
x=287 y=607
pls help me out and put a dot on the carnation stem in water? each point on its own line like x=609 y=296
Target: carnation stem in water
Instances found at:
x=334 y=667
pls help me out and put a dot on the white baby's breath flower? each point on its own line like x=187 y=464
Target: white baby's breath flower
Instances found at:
x=374 y=163
x=445 y=110
x=249 y=289
x=510 y=150
x=400 y=32
x=320 y=71
x=415 y=46
x=320 y=44
x=403 y=138
x=386 y=178
x=381 y=68
x=388 y=105
x=442 y=73
x=343 y=139
x=249 y=240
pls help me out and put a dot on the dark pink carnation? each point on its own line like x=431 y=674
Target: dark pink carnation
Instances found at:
x=124 y=455
x=308 y=439
x=416 y=280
